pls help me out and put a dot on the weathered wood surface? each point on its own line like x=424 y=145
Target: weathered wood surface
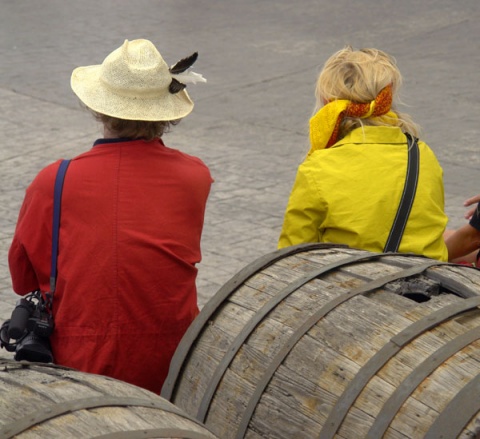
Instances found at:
x=45 y=401
x=228 y=356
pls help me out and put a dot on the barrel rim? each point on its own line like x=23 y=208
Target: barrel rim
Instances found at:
x=188 y=342
x=63 y=407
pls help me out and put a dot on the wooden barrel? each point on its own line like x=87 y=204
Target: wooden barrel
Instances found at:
x=46 y=401
x=320 y=341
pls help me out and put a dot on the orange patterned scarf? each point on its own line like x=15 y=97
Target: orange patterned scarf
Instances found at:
x=325 y=124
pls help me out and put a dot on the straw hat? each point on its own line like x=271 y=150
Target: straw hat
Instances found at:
x=135 y=83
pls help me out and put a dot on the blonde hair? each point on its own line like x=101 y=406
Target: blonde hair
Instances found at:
x=359 y=76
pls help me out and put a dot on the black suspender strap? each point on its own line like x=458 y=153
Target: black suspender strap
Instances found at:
x=406 y=202
x=57 y=199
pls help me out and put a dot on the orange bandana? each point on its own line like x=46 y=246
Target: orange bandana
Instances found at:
x=325 y=124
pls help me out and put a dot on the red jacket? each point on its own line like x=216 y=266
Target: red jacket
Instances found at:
x=131 y=221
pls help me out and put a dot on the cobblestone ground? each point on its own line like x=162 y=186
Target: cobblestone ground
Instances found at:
x=249 y=125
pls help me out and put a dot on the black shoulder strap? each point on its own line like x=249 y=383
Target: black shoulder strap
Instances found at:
x=406 y=202
x=57 y=198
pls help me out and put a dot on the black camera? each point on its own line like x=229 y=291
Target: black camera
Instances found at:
x=30 y=325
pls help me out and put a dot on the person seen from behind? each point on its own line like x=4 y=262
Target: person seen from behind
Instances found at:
x=132 y=215
x=349 y=186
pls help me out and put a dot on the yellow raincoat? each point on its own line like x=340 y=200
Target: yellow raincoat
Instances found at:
x=350 y=193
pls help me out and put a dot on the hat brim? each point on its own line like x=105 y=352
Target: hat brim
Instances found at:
x=96 y=95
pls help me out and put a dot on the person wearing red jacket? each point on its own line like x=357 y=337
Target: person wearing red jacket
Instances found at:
x=131 y=221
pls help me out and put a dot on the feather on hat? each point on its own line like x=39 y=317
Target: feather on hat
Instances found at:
x=135 y=83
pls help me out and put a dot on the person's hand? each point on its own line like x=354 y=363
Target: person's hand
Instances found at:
x=469 y=202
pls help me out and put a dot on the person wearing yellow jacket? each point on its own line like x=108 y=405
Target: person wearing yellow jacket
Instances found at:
x=348 y=188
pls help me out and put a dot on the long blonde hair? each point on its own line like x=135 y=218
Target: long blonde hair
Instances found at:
x=359 y=76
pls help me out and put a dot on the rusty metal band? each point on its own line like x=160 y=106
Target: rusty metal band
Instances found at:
x=308 y=324
x=156 y=433
x=447 y=282
x=218 y=299
x=61 y=408
x=259 y=316
x=458 y=413
x=377 y=361
x=24 y=364
x=454 y=285
x=391 y=407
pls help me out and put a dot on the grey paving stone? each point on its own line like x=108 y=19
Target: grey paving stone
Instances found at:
x=261 y=58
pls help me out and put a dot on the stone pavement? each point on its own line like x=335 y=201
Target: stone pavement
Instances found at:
x=261 y=58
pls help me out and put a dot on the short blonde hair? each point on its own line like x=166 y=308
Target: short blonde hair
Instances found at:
x=359 y=76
